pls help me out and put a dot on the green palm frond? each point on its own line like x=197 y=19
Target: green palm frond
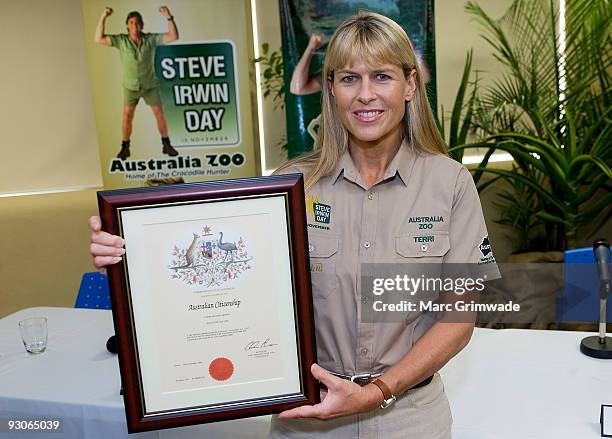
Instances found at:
x=551 y=110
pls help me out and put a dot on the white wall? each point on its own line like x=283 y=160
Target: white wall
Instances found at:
x=274 y=122
x=456 y=33
x=47 y=135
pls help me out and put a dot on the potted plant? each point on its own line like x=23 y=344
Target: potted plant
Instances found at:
x=273 y=80
x=462 y=112
x=551 y=111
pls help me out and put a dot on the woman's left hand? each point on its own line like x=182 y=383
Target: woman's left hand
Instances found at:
x=343 y=398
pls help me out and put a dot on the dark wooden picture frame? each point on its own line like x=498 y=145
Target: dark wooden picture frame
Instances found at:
x=291 y=187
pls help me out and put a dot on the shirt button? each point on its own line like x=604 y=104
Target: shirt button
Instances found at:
x=364 y=300
x=370 y=196
x=363 y=352
x=423 y=248
x=367 y=244
x=310 y=248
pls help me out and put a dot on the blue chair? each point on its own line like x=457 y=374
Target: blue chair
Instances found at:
x=93 y=292
x=580 y=300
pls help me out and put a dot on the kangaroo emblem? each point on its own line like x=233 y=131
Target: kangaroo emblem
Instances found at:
x=190 y=254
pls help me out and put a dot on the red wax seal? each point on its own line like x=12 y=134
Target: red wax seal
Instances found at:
x=221 y=369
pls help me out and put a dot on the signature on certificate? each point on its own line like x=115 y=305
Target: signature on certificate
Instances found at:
x=259 y=344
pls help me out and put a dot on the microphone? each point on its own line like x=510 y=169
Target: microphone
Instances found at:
x=600 y=346
x=601 y=248
x=113 y=348
x=111 y=344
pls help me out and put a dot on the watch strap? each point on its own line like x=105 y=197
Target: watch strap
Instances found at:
x=383 y=388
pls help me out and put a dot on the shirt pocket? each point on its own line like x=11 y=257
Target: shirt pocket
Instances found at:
x=422 y=248
x=323 y=253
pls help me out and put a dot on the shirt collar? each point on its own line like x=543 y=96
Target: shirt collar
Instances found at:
x=401 y=165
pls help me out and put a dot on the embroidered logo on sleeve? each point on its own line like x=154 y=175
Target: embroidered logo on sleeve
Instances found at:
x=485 y=251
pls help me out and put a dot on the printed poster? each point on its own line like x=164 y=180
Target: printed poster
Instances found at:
x=171 y=90
x=302 y=19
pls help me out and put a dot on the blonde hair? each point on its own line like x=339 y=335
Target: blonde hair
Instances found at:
x=378 y=39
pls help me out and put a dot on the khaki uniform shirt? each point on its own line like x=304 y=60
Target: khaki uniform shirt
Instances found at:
x=138 y=61
x=426 y=209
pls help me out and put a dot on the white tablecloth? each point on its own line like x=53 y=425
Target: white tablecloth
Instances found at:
x=77 y=379
x=515 y=383
x=505 y=384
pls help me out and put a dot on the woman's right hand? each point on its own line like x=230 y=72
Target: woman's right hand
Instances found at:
x=105 y=249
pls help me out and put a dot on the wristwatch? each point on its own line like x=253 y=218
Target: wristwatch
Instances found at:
x=390 y=398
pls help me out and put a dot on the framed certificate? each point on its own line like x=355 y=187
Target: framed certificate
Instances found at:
x=211 y=303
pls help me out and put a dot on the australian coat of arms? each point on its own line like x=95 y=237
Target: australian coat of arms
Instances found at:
x=209 y=259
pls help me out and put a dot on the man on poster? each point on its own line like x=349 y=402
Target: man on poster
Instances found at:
x=137 y=51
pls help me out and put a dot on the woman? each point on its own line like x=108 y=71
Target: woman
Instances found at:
x=382 y=175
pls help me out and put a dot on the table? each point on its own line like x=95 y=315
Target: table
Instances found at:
x=504 y=384
x=77 y=379
x=522 y=383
